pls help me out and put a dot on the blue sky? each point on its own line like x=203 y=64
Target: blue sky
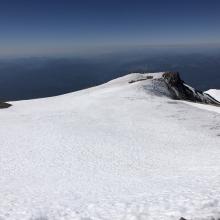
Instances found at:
x=41 y=27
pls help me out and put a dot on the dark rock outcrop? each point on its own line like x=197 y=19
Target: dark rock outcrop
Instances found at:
x=4 y=105
x=141 y=79
x=177 y=88
x=182 y=91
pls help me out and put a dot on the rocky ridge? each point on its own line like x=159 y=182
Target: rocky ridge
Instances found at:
x=178 y=89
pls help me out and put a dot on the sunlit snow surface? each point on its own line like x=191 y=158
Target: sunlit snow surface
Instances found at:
x=214 y=93
x=116 y=151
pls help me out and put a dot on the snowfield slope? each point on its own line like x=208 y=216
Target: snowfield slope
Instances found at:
x=117 y=151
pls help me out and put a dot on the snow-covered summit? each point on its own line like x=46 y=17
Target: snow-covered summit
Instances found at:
x=168 y=84
x=123 y=150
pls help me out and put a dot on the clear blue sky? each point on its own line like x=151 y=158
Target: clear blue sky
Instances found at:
x=29 y=27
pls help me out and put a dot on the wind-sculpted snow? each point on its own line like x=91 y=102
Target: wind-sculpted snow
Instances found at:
x=116 y=151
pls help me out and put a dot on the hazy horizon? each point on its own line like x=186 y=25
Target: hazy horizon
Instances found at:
x=88 y=52
x=43 y=76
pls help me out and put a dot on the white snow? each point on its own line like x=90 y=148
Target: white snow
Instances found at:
x=202 y=106
x=214 y=93
x=116 y=151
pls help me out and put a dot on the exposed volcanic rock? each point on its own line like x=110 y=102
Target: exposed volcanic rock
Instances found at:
x=141 y=79
x=180 y=90
x=4 y=105
x=176 y=88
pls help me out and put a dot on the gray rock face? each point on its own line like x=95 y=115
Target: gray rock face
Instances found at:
x=182 y=91
x=4 y=105
x=178 y=89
